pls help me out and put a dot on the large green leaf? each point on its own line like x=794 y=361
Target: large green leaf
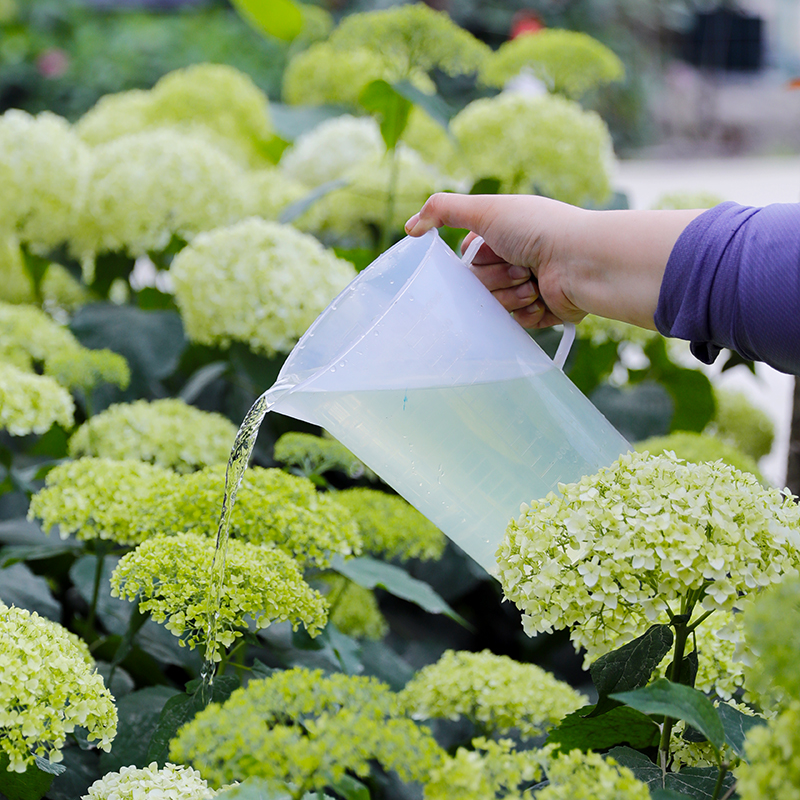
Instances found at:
x=640 y=765
x=21 y=588
x=736 y=726
x=619 y=725
x=351 y=788
x=293 y=121
x=699 y=783
x=433 y=104
x=637 y=412
x=389 y=106
x=679 y=702
x=29 y=785
x=631 y=665
x=280 y=18
x=82 y=770
x=371 y=573
x=331 y=649
x=299 y=207
x=667 y=794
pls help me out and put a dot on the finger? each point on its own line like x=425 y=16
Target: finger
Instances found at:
x=500 y=275
x=519 y=297
x=535 y=316
x=445 y=208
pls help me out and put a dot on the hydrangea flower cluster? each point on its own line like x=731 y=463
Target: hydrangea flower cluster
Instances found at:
x=85 y=369
x=495 y=692
x=697 y=447
x=489 y=769
x=331 y=149
x=168 y=432
x=171 y=782
x=567 y=62
x=262 y=585
x=55 y=687
x=32 y=403
x=741 y=424
x=642 y=540
x=214 y=101
x=272 y=509
x=316 y=455
x=571 y=775
x=267 y=192
x=43 y=168
x=600 y=330
x=391 y=527
x=147 y=187
x=773 y=753
x=257 y=282
x=98 y=498
x=546 y=143
x=353 y=609
x=306 y=729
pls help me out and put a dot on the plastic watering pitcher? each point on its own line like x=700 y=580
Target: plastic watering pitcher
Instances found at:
x=420 y=372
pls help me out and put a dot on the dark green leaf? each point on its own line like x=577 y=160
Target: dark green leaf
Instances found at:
x=620 y=725
x=109 y=267
x=433 y=104
x=735 y=360
x=693 y=395
x=331 y=649
x=282 y=19
x=591 y=364
x=639 y=764
x=36 y=267
x=631 y=666
x=637 y=412
x=679 y=702
x=29 y=785
x=113 y=612
x=83 y=769
x=202 y=379
x=698 y=782
x=736 y=726
x=351 y=788
x=371 y=573
x=138 y=713
x=21 y=531
x=385 y=664
x=52 y=444
x=298 y=208
x=13 y=555
x=20 y=587
x=486 y=186
x=667 y=794
x=359 y=257
x=151 y=299
x=689 y=667
x=261 y=670
x=391 y=108
x=292 y=121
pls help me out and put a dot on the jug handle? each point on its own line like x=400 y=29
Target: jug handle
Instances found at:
x=567 y=337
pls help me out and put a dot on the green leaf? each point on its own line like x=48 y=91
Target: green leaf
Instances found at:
x=631 y=666
x=282 y=19
x=20 y=587
x=36 y=267
x=637 y=412
x=689 y=667
x=21 y=531
x=202 y=379
x=389 y=106
x=698 y=782
x=331 y=649
x=620 y=725
x=299 y=207
x=591 y=364
x=293 y=121
x=183 y=708
x=82 y=770
x=371 y=573
x=693 y=395
x=253 y=789
x=29 y=785
x=639 y=764
x=486 y=186
x=433 y=104
x=667 y=794
x=359 y=257
x=736 y=726
x=680 y=702
x=13 y=555
x=350 y=788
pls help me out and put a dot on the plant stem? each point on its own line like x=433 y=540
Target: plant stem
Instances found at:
x=723 y=770
x=386 y=230
x=681 y=636
x=98 y=575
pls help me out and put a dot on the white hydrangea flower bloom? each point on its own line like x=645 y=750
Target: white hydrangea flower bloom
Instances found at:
x=171 y=782
x=256 y=282
x=31 y=403
x=332 y=148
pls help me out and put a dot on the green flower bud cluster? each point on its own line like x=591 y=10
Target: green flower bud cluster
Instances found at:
x=85 y=369
x=391 y=527
x=54 y=688
x=567 y=62
x=741 y=424
x=168 y=432
x=43 y=170
x=214 y=101
x=316 y=455
x=262 y=585
x=699 y=447
x=272 y=509
x=641 y=540
x=32 y=403
x=353 y=609
x=171 y=782
x=545 y=144
x=98 y=498
x=256 y=282
x=489 y=769
x=495 y=692
x=306 y=729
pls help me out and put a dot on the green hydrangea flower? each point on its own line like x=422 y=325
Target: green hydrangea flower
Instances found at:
x=32 y=403
x=391 y=527
x=267 y=192
x=85 y=369
x=306 y=729
x=98 y=498
x=489 y=769
x=262 y=585
x=51 y=686
x=214 y=101
x=435 y=145
x=495 y=692
x=316 y=455
x=43 y=168
x=331 y=149
x=567 y=62
x=256 y=282
x=147 y=187
x=590 y=775
x=600 y=330
x=353 y=609
x=679 y=200
x=741 y=424
x=171 y=782
x=272 y=508
x=166 y=432
x=546 y=143
x=641 y=540
x=698 y=447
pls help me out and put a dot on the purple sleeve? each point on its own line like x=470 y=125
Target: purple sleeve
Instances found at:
x=733 y=280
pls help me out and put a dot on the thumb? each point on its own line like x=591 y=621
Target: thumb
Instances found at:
x=454 y=210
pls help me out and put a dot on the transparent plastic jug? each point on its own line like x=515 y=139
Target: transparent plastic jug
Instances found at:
x=419 y=371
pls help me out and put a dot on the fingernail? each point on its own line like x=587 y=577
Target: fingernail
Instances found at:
x=516 y=272
x=526 y=290
x=412 y=223
x=535 y=308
